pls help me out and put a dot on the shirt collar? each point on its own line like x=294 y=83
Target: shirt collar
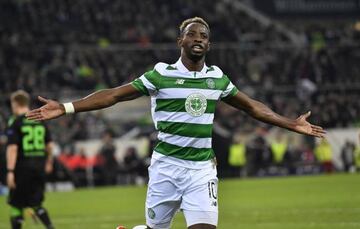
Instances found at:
x=181 y=67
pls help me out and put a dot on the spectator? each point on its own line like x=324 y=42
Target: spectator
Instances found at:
x=278 y=149
x=110 y=163
x=324 y=155
x=134 y=166
x=348 y=156
x=260 y=157
x=237 y=158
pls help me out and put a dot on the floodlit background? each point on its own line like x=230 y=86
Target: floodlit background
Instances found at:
x=293 y=55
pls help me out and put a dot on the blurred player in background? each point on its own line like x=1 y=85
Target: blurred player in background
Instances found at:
x=29 y=158
x=183 y=97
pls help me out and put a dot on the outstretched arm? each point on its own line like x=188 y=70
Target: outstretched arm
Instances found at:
x=95 y=101
x=263 y=113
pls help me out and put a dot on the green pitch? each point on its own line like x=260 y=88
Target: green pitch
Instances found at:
x=316 y=202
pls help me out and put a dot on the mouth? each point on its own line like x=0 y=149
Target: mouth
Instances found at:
x=197 y=48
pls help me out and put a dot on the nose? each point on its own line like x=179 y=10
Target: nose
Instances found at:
x=198 y=39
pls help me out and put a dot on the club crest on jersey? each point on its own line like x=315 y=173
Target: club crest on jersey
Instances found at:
x=210 y=83
x=196 y=104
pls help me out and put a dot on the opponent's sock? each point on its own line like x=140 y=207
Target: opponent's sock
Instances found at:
x=16 y=217
x=43 y=215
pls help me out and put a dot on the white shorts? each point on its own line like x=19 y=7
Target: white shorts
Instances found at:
x=172 y=187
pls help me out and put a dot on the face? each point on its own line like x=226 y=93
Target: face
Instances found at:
x=194 y=42
x=14 y=107
x=18 y=109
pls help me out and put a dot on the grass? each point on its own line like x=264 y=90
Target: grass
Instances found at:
x=313 y=202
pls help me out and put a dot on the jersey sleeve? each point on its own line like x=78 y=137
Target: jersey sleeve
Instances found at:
x=148 y=83
x=13 y=133
x=229 y=90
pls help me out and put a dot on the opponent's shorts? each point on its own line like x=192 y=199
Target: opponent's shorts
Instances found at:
x=29 y=191
x=172 y=187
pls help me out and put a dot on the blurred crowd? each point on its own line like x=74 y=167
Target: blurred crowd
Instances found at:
x=103 y=168
x=54 y=47
x=64 y=22
x=39 y=40
x=262 y=156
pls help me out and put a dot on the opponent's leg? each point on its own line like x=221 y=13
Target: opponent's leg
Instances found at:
x=43 y=215
x=16 y=217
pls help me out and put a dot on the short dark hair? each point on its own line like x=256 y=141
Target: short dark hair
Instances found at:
x=21 y=97
x=193 y=20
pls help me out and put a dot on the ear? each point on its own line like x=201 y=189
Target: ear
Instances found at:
x=179 y=41
x=209 y=45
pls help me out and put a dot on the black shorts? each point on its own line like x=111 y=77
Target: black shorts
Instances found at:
x=29 y=191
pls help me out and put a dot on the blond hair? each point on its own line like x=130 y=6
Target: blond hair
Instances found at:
x=193 y=20
x=20 y=97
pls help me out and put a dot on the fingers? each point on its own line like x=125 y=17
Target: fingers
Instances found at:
x=35 y=115
x=43 y=99
x=32 y=113
x=317 y=131
x=307 y=114
x=318 y=128
x=318 y=135
x=36 y=118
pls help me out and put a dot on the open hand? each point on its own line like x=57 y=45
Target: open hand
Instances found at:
x=52 y=109
x=304 y=127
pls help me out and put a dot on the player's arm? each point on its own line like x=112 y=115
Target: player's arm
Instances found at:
x=95 y=101
x=49 y=159
x=11 y=157
x=263 y=113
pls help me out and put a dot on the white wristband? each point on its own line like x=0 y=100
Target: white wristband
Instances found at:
x=69 y=108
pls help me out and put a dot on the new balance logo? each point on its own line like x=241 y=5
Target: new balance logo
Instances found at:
x=180 y=81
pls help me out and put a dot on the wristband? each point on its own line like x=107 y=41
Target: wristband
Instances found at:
x=69 y=108
x=10 y=171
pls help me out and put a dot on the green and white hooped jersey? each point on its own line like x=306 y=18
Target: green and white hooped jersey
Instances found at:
x=183 y=106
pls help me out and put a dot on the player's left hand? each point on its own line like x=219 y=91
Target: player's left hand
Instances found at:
x=304 y=127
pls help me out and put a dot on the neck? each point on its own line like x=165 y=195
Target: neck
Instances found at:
x=21 y=111
x=191 y=65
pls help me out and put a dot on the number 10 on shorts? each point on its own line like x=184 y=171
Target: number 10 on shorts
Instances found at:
x=212 y=188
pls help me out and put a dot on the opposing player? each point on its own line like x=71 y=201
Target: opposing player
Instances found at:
x=183 y=98
x=28 y=157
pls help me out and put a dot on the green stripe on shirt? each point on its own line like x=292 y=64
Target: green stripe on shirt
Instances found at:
x=138 y=85
x=178 y=105
x=185 y=153
x=186 y=129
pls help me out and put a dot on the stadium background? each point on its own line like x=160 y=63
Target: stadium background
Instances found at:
x=294 y=55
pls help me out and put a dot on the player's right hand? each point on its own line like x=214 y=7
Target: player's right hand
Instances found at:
x=52 y=109
x=10 y=179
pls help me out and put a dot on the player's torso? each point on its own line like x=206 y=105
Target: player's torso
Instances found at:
x=31 y=143
x=183 y=108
